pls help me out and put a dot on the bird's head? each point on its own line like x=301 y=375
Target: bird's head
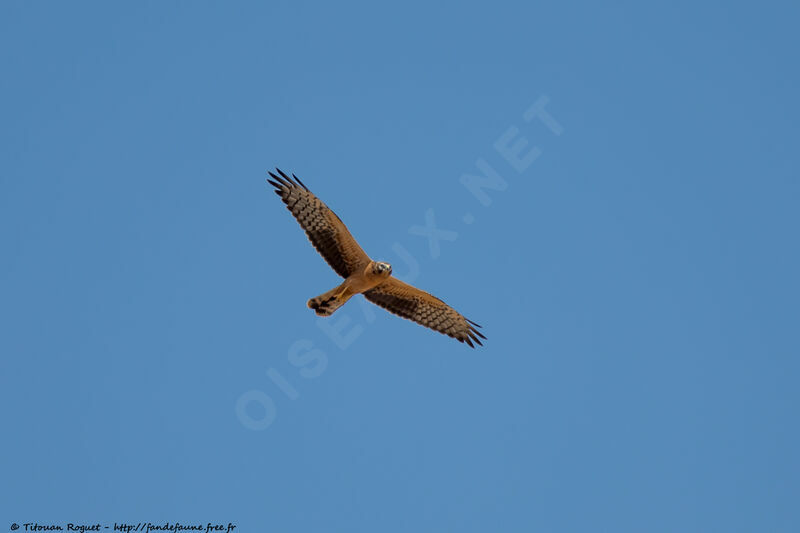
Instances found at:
x=382 y=269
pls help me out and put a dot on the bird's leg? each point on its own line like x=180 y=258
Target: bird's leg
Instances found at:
x=325 y=304
x=343 y=291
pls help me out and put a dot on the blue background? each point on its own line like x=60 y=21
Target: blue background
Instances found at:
x=638 y=282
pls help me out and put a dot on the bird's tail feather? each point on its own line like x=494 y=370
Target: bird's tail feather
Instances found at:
x=325 y=304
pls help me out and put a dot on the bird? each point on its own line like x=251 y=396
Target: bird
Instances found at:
x=331 y=238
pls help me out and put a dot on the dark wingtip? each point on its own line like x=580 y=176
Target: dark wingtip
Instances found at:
x=279 y=180
x=300 y=182
x=473 y=323
x=287 y=178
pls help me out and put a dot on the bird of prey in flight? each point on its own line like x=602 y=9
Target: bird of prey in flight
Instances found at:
x=362 y=275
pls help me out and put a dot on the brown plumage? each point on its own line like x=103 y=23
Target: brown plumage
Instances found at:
x=373 y=279
x=409 y=302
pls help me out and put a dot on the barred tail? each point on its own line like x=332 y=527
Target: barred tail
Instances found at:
x=325 y=304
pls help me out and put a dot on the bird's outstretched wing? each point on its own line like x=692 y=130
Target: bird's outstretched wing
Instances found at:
x=325 y=230
x=409 y=302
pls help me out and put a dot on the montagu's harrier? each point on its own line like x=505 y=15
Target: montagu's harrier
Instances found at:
x=362 y=275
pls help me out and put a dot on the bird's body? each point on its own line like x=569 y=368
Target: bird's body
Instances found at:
x=357 y=283
x=362 y=275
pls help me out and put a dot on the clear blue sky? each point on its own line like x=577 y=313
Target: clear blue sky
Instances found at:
x=637 y=275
